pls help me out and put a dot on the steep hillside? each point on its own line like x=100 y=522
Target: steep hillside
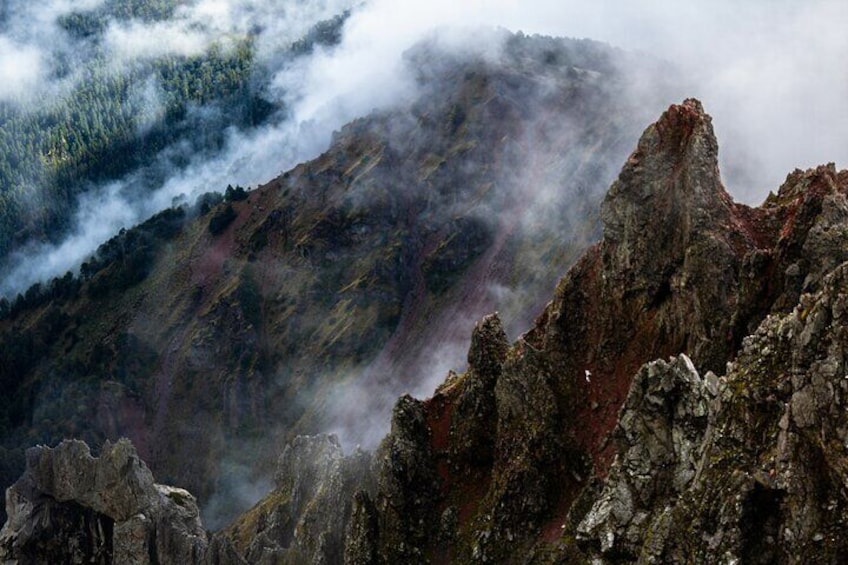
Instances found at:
x=528 y=452
x=679 y=400
x=210 y=336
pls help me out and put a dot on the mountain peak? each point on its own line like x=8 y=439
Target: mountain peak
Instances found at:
x=681 y=122
x=671 y=181
x=668 y=205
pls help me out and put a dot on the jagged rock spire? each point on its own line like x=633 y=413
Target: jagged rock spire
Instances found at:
x=668 y=190
x=488 y=346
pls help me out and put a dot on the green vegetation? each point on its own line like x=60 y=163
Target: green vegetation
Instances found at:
x=235 y=194
x=131 y=253
x=93 y=22
x=222 y=219
x=466 y=240
x=107 y=126
x=115 y=122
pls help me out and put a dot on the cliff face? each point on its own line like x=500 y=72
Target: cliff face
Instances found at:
x=573 y=444
x=315 y=300
x=747 y=468
x=680 y=399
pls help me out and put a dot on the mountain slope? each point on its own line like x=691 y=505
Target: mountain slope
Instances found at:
x=210 y=340
x=527 y=457
x=574 y=444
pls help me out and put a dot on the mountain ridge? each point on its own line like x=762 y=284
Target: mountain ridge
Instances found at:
x=579 y=442
x=213 y=334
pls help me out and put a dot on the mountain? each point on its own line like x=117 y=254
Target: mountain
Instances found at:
x=684 y=378
x=680 y=399
x=213 y=334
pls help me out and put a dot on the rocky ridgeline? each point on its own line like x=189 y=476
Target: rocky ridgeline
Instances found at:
x=681 y=399
x=212 y=335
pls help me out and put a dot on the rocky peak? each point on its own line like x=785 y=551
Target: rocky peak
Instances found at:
x=672 y=178
x=471 y=435
x=488 y=346
x=117 y=483
x=822 y=180
x=813 y=207
x=669 y=188
x=304 y=463
x=305 y=518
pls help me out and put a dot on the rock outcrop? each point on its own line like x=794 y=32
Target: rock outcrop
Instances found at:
x=71 y=507
x=772 y=488
x=306 y=517
x=748 y=469
x=659 y=436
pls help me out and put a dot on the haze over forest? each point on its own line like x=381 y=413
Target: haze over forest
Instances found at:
x=115 y=109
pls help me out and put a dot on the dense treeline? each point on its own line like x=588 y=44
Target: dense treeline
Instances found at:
x=109 y=126
x=112 y=123
x=93 y=22
x=126 y=259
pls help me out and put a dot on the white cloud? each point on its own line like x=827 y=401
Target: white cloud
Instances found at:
x=100 y=216
x=21 y=69
x=128 y=42
x=768 y=71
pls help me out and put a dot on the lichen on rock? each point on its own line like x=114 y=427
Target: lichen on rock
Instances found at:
x=660 y=452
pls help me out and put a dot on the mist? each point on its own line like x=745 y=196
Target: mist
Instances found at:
x=764 y=70
x=767 y=71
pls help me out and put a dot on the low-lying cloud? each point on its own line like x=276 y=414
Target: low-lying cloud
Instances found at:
x=766 y=71
x=21 y=67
